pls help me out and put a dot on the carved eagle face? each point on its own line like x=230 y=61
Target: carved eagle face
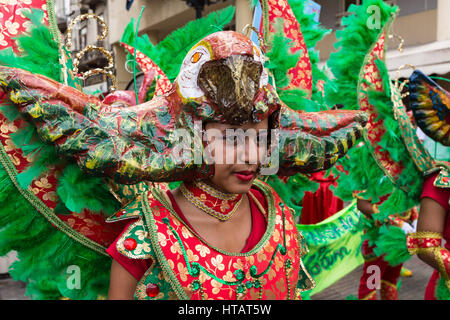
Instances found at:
x=225 y=70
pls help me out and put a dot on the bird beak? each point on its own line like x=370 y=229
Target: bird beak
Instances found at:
x=232 y=84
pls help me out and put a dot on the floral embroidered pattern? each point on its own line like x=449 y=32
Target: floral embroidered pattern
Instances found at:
x=142 y=248
x=301 y=75
x=443 y=179
x=196 y=270
x=375 y=127
x=13 y=20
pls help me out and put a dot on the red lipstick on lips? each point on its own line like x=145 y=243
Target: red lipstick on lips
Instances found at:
x=245 y=175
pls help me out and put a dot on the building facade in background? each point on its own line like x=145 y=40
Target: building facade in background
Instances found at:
x=423 y=24
x=160 y=18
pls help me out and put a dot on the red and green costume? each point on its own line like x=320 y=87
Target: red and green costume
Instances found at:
x=382 y=166
x=184 y=266
x=393 y=160
x=389 y=274
x=84 y=159
x=430 y=105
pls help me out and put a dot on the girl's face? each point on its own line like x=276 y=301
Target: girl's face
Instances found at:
x=237 y=153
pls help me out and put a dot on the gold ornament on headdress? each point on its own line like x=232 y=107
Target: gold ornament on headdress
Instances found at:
x=102 y=36
x=401 y=86
x=82 y=18
x=245 y=31
x=400 y=39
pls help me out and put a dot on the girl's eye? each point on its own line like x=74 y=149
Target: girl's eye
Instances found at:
x=196 y=57
x=259 y=140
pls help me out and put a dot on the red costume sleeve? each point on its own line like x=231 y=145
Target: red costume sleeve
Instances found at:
x=136 y=267
x=440 y=195
x=259 y=224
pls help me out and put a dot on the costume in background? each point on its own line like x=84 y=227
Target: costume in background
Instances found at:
x=76 y=168
x=430 y=105
x=321 y=204
x=394 y=161
x=379 y=169
x=389 y=274
x=441 y=196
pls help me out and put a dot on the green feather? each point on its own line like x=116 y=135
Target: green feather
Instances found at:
x=293 y=190
x=442 y=291
x=41 y=53
x=79 y=191
x=354 y=41
x=280 y=58
x=391 y=243
x=45 y=253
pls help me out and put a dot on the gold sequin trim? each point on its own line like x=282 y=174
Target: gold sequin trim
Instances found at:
x=425 y=235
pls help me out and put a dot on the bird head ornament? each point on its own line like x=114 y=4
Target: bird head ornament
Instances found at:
x=222 y=79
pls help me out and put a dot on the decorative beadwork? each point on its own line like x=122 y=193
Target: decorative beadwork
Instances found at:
x=152 y=290
x=130 y=244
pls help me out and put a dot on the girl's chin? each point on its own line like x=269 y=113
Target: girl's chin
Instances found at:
x=234 y=184
x=239 y=186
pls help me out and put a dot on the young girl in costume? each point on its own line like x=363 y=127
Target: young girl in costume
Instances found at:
x=226 y=236
x=70 y=160
x=380 y=171
x=224 y=216
x=184 y=252
x=430 y=104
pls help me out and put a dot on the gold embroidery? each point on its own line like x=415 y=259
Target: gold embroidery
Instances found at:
x=142 y=250
x=370 y=296
x=258 y=204
x=202 y=203
x=425 y=235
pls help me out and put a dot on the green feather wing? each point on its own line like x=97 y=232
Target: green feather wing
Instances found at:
x=46 y=202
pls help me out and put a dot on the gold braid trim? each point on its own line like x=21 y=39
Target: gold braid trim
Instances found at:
x=445 y=273
x=438 y=252
x=258 y=204
x=388 y=284
x=214 y=192
x=202 y=206
x=415 y=248
x=425 y=234
x=357 y=196
x=370 y=296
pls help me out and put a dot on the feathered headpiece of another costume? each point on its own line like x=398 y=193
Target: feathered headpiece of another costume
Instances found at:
x=128 y=143
x=430 y=104
x=394 y=159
